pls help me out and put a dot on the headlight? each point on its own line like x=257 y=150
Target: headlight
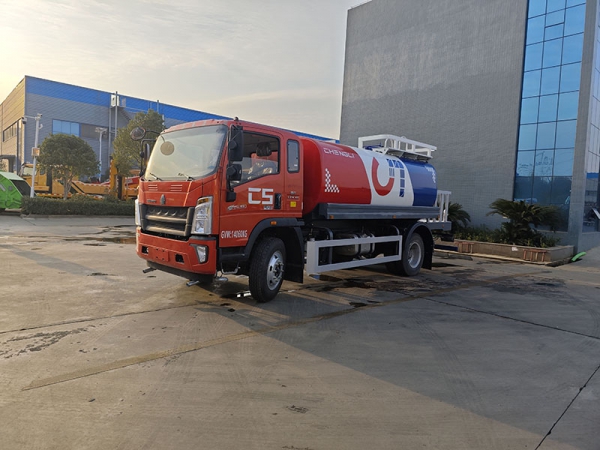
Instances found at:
x=138 y=214
x=202 y=253
x=202 y=223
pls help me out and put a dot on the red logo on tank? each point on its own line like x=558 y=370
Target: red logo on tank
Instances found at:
x=380 y=189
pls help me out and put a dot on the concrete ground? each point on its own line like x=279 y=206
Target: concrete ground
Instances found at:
x=475 y=354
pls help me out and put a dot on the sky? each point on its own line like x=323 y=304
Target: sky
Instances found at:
x=278 y=62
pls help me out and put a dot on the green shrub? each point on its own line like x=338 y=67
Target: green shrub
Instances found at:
x=499 y=236
x=458 y=216
x=524 y=219
x=77 y=205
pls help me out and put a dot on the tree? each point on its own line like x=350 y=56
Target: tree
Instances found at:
x=127 y=151
x=521 y=217
x=67 y=156
x=458 y=216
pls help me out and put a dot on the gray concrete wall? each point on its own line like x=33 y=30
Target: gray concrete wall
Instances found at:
x=446 y=73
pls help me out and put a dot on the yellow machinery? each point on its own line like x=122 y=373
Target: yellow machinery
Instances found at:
x=45 y=186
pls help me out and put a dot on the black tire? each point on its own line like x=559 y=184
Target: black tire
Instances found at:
x=413 y=255
x=266 y=269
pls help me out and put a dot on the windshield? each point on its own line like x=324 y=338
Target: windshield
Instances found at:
x=186 y=154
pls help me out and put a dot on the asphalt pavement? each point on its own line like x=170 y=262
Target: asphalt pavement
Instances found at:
x=474 y=354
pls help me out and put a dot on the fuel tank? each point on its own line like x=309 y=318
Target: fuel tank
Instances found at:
x=335 y=173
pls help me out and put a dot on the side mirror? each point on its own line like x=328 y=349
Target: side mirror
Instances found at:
x=235 y=146
x=138 y=133
x=234 y=172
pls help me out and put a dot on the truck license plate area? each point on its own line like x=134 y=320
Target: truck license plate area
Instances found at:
x=159 y=254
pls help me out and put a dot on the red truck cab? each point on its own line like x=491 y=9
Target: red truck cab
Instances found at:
x=199 y=214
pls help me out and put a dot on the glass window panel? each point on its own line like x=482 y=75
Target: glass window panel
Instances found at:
x=554 y=5
x=56 y=126
x=563 y=162
x=529 y=110
x=575 y=2
x=525 y=162
x=527 y=135
x=575 y=20
x=573 y=48
x=536 y=7
x=542 y=189
x=548 y=108
x=293 y=156
x=531 y=83
x=544 y=163
x=561 y=190
x=545 y=135
x=565 y=134
x=567 y=105
x=535 y=30
x=570 y=77
x=65 y=127
x=554 y=32
x=555 y=18
x=533 y=56
x=552 y=53
x=75 y=129
x=550 y=80
x=523 y=188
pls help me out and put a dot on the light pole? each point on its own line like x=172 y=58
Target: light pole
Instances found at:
x=35 y=149
x=100 y=132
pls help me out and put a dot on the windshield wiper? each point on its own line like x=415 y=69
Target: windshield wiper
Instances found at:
x=158 y=178
x=189 y=178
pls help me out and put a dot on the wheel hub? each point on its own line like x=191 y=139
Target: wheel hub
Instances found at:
x=275 y=270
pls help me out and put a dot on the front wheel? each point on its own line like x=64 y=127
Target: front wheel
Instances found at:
x=413 y=255
x=266 y=269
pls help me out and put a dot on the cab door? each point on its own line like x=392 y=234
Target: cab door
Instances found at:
x=261 y=191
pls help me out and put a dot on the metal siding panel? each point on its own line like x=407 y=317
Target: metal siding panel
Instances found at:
x=443 y=72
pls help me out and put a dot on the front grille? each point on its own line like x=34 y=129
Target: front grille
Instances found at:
x=168 y=221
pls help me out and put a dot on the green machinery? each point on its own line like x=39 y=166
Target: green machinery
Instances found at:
x=12 y=189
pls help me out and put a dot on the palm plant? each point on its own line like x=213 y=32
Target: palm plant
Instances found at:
x=458 y=216
x=522 y=216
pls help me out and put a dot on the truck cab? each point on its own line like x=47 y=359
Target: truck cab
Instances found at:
x=212 y=192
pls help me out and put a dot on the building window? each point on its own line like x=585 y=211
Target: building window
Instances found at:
x=9 y=132
x=61 y=126
x=549 y=101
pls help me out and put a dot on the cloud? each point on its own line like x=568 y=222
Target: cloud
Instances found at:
x=200 y=54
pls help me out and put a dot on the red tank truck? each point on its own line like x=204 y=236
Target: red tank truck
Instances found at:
x=225 y=197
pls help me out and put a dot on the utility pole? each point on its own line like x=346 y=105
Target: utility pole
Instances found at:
x=100 y=132
x=35 y=150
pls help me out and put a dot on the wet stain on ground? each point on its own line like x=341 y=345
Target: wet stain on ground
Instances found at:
x=298 y=409
x=357 y=304
x=325 y=277
x=525 y=287
x=442 y=264
x=39 y=342
x=98 y=241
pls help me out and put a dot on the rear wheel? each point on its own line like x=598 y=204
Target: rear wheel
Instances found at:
x=266 y=269
x=413 y=255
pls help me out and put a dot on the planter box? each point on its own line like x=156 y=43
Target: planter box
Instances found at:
x=519 y=252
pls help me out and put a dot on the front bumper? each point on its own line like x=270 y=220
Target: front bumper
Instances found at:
x=176 y=256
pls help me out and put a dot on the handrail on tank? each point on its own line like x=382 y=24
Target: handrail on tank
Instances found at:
x=443 y=202
x=398 y=145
